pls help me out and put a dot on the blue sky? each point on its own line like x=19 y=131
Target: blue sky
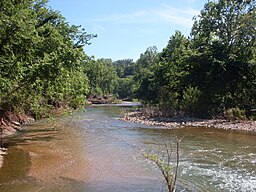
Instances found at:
x=126 y=28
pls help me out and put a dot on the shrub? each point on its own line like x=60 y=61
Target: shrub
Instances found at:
x=234 y=114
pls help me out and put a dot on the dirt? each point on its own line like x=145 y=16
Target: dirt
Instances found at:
x=11 y=122
x=93 y=99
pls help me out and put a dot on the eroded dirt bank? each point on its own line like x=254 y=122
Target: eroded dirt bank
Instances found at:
x=11 y=122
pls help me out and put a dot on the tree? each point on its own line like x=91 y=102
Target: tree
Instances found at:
x=102 y=76
x=211 y=71
x=125 y=88
x=171 y=71
x=41 y=58
x=145 y=88
x=224 y=40
x=124 y=68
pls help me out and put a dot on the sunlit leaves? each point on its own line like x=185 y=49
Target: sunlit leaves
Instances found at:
x=102 y=76
x=212 y=70
x=41 y=60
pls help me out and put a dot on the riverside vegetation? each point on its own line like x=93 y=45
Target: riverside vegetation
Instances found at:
x=43 y=65
x=211 y=73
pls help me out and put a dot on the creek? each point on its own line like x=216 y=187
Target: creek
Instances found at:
x=92 y=150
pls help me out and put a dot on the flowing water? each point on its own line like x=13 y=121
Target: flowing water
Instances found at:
x=92 y=150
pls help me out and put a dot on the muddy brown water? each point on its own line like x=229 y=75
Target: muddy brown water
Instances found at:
x=92 y=150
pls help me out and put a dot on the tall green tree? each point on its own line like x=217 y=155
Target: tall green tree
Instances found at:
x=125 y=70
x=124 y=67
x=171 y=72
x=102 y=76
x=41 y=58
x=209 y=72
x=224 y=64
x=146 y=89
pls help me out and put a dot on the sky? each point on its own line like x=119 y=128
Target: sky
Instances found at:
x=126 y=28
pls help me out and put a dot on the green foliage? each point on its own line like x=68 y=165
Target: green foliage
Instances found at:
x=43 y=64
x=52 y=121
x=212 y=70
x=144 y=77
x=41 y=58
x=102 y=76
x=190 y=100
x=225 y=42
x=124 y=68
x=125 y=87
x=235 y=114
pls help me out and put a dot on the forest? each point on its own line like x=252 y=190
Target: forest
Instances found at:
x=210 y=73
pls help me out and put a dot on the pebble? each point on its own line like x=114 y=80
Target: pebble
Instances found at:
x=138 y=117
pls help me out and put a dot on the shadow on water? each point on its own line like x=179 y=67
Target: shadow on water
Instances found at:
x=15 y=166
x=33 y=135
x=16 y=161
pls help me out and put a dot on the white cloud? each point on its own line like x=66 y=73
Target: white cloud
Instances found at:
x=176 y=16
x=164 y=14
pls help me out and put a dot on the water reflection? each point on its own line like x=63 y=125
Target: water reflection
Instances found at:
x=3 y=152
x=15 y=165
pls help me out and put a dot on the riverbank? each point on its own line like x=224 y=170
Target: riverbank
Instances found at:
x=178 y=122
x=11 y=123
x=105 y=99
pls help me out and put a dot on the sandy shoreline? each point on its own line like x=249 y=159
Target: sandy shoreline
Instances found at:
x=176 y=122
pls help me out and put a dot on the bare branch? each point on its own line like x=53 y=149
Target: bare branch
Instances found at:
x=162 y=159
